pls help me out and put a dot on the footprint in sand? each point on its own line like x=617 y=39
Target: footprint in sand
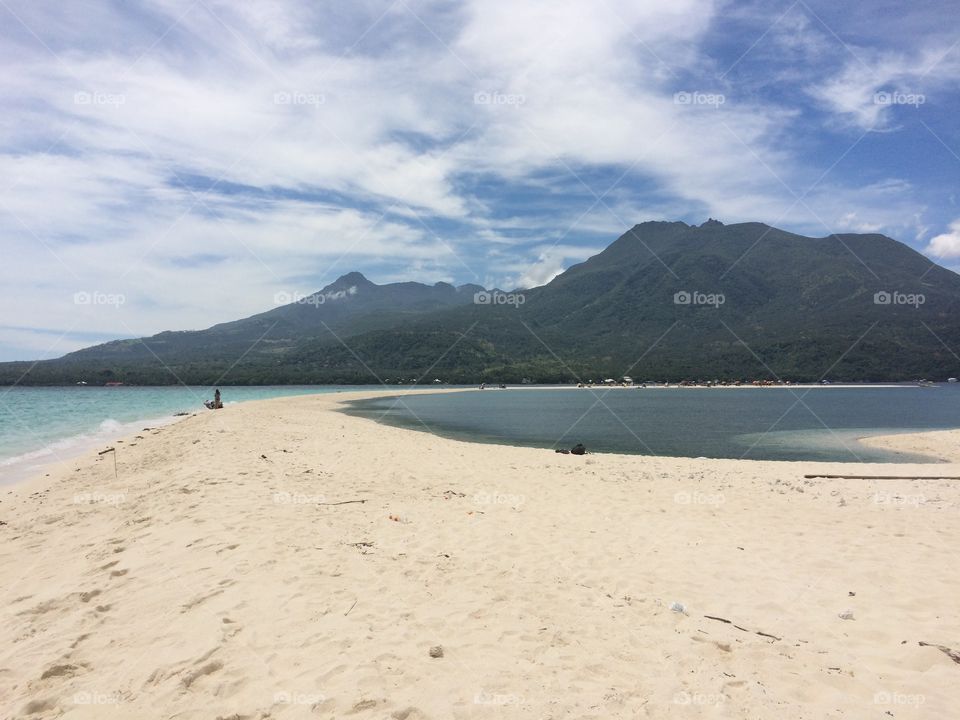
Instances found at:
x=229 y=629
x=409 y=713
x=35 y=707
x=362 y=705
x=208 y=669
x=199 y=600
x=62 y=671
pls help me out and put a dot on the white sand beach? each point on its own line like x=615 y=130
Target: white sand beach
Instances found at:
x=277 y=559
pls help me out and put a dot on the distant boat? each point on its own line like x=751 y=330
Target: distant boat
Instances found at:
x=84 y=382
x=951 y=380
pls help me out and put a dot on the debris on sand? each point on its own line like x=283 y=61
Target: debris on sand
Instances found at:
x=952 y=654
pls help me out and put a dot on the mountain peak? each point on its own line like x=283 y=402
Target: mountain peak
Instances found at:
x=712 y=223
x=353 y=278
x=350 y=280
x=660 y=223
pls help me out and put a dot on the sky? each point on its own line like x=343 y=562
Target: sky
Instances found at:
x=171 y=164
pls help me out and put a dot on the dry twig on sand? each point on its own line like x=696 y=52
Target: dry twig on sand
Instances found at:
x=885 y=477
x=952 y=654
x=738 y=627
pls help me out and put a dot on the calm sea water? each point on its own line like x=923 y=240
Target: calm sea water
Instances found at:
x=40 y=425
x=821 y=423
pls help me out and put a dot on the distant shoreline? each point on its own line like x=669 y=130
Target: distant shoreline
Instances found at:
x=17 y=469
x=532 y=386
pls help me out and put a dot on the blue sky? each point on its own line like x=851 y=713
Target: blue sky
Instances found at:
x=183 y=162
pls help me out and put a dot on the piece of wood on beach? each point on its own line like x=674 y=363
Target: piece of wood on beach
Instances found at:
x=343 y=502
x=952 y=654
x=885 y=477
x=363 y=547
x=738 y=627
x=114 y=451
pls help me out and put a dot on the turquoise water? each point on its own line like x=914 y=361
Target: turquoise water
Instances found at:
x=39 y=425
x=820 y=423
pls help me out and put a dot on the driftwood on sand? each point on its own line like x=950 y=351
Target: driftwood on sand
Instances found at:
x=885 y=477
x=952 y=654
x=738 y=627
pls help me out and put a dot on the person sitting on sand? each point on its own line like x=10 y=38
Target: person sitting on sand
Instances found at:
x=214 y=404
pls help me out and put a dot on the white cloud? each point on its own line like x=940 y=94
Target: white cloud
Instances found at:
x=869 y=92
x=946 y=245
x=551 y=261
x=342 y=139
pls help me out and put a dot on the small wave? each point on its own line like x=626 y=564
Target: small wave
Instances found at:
x=24 y=464
x=109 y=425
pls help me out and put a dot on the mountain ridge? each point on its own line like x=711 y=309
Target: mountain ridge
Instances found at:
x=665 y=299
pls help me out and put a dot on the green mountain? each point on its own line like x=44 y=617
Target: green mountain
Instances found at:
x=665 y=301
x=349 y=305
